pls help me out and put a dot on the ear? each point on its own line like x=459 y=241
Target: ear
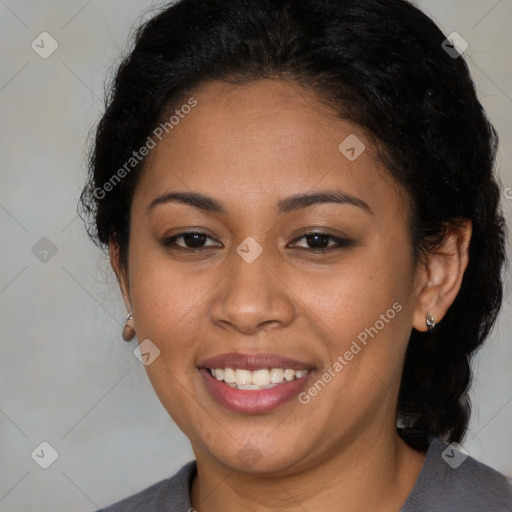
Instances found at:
x=120 y=272
x=439 y=276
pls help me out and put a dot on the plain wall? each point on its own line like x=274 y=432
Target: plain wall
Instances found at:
x=66 y=377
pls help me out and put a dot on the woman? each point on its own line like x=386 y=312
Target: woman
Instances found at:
x=299 y=204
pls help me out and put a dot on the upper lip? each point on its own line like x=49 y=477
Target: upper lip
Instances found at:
x=252 y=362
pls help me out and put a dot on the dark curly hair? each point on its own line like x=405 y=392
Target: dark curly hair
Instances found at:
x=381 y=65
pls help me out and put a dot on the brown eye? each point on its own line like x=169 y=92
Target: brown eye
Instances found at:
x=197 y=240
x=319 y=242
x=189 y=240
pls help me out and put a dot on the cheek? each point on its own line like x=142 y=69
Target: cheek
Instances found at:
x=365 y=307
x=354 y=295
x=165 y=310
x=166 y=305
x=164 y=296
x=171 y=299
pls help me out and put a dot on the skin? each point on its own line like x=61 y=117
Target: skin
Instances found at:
x=249 y=146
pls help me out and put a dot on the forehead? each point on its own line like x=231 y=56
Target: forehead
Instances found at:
x=261 y=139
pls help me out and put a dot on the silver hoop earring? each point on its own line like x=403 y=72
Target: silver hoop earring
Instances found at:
x=430 y=321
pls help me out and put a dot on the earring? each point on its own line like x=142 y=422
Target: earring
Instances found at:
x=128 y=330
x=430 y=321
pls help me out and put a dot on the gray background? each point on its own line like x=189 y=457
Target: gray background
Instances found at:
x=66 y=377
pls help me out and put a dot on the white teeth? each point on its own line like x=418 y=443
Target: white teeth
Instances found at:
x=243 y=377
x=229 y=375
x=257 y=379
x=289 y=374
x=276 y=375
x=254 y=386
x=261 y=377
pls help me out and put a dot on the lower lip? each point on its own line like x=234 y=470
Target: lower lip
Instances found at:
x=252 y=401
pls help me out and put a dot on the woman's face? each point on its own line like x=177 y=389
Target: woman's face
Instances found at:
x=254 y=292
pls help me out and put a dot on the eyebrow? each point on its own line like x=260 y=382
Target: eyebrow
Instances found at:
x=286 y=205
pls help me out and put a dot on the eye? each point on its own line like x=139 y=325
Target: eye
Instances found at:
x=195 y=241
x=322 y=242
x=190 y=240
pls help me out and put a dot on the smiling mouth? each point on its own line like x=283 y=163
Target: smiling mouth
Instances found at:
x=263 y=378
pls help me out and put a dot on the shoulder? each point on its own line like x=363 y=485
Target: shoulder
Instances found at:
x=170 y=495
x=451 y=481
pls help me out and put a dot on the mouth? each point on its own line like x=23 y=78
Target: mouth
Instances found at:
x=263 y=378
x=255 y=383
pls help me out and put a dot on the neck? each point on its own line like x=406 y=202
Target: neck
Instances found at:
x=371 y=473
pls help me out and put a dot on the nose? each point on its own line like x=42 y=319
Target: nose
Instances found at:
x=252 y=297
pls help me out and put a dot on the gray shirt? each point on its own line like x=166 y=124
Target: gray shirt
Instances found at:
x=448 y=482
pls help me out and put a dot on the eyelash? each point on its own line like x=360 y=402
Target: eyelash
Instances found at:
x=341 y=242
